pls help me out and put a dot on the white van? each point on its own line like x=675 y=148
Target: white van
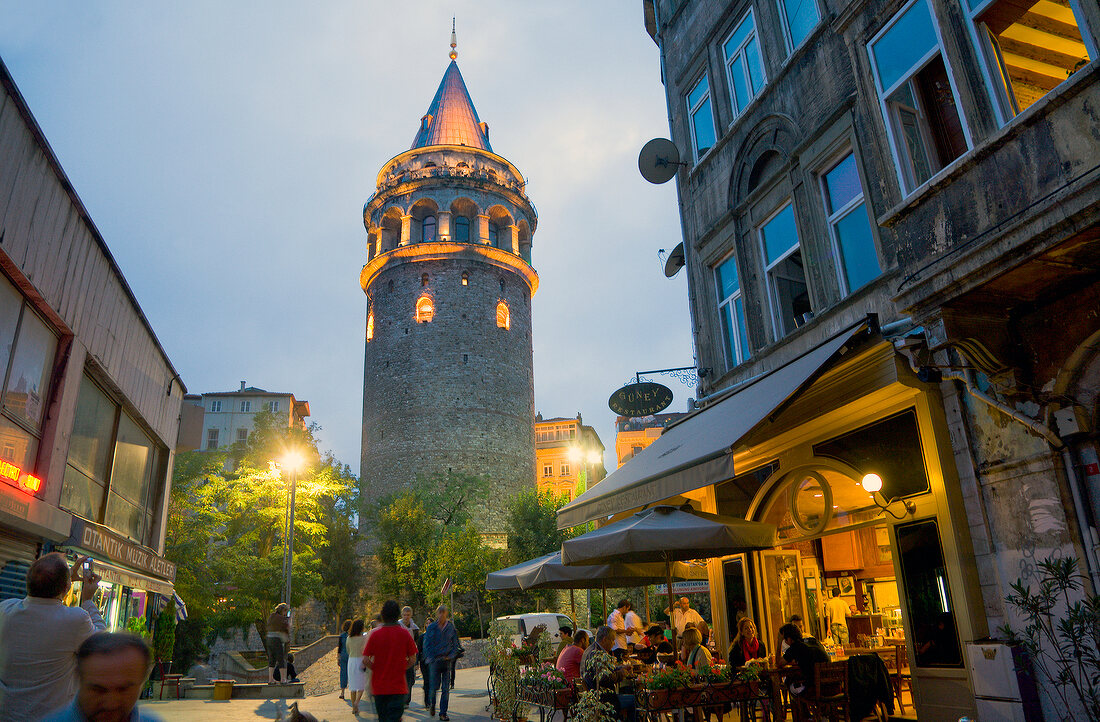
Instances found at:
x=523 y=624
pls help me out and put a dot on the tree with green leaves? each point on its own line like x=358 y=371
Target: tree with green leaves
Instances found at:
x=227 y=528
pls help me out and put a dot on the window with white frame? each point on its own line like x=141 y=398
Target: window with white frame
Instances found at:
x=701 y=117
x=915 y=93
x=547 y=469
x=246 y=407
x=731 y=309
x=565 y=469
x=849 y=223
x=788 y=294
x=272 y=406
x=1028 y=47
x=215 y=407
x=799 y=18
x=744 y=65
x=242 y=435
x=212 y=439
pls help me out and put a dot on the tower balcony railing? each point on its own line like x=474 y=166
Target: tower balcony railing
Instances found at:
x=482 y=176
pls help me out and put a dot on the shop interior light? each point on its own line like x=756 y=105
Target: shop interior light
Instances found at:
x=872 y=483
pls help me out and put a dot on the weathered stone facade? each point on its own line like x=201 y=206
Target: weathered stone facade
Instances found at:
x=448 y=385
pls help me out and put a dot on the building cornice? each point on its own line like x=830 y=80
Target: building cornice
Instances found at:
x=439 y=250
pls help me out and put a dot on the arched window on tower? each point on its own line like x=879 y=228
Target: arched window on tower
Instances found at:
x=370 y=325
x=465 y=278
x=423 y=279
x=462 y=229
x=427 y=229
x=425 y=310
x=494 y=236
x=504 y=318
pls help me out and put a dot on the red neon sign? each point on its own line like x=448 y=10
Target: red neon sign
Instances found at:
x=15 y=476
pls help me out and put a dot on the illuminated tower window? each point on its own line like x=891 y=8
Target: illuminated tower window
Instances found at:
x=465 y=278
x=504 y=319
x=370 y=325
x=425 y=310
x=427 y=229
x=424 y=279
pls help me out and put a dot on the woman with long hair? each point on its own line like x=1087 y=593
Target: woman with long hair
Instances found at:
x=746 y=647
x=342 y=655
x=357 y=673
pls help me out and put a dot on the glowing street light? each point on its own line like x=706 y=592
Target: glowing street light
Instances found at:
x=293 y=462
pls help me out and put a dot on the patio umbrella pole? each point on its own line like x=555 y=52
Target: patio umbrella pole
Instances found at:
x=573 y=606
x=671 y=616
x=605 y=614
x=647 y=615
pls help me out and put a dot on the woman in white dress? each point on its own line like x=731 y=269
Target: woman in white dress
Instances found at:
x=357 y=676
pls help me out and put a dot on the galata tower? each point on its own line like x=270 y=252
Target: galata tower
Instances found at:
x=448 y=380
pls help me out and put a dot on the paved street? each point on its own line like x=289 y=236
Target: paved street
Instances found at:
x=468 y=702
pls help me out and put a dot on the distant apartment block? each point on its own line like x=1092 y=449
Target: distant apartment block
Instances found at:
x=228 y=416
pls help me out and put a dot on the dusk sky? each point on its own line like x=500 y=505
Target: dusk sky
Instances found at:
x=225 y=151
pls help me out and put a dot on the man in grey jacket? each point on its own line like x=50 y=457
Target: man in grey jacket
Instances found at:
x=39 y=637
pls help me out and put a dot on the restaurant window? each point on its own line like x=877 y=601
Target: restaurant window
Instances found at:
x=744 y=67
x=916 y=97
x=731 y=309
x=799 y=17
x=849 y=224
x=114 y=468
x=927 y=595
x=788 y=294
x=1029 y=47
x=735 y=496
x=701 y=117
x=890 y=448
x=27 y=350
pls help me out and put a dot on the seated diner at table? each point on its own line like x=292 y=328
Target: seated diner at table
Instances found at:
x=654 y=643
x=569 y=661
x=601 y=672
x=803 y=651
x=746 y=647
x=693 y=654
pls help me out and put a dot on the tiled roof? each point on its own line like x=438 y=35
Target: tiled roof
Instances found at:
x=451 y=118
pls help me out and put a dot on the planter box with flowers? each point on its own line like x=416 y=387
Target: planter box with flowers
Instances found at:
x=545 y=686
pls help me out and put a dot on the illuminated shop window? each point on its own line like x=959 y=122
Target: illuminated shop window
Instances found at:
x=504 y=319
x=370 y=325
x=425 y=310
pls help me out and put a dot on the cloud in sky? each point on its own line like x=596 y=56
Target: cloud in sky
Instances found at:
x=225 y=151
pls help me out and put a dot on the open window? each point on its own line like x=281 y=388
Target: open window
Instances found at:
x=849 y=223
x=917 y=99
x=788 y=293
x=1029 y=47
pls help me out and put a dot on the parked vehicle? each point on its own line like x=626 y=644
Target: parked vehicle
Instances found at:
x=523 y=624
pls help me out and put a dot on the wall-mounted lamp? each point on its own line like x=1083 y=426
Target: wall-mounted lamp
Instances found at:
x=872 y=484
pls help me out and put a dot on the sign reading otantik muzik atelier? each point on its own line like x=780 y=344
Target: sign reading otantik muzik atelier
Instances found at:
x=640 y=399
x=101 y=541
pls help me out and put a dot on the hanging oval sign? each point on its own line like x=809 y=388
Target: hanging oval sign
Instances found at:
x=641 y=399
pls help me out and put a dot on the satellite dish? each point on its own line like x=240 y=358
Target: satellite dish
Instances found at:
x=675 y=261
x=659 y=160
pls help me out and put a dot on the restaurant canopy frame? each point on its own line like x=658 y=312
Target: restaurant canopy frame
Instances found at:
x=697 y=450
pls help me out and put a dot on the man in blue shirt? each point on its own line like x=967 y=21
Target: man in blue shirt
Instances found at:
x=112 y=669
x=440 y=648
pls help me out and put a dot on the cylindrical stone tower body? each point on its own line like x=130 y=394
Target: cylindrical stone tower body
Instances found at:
x=448 y=378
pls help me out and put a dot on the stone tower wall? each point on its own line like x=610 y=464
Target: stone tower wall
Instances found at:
x=455 y=394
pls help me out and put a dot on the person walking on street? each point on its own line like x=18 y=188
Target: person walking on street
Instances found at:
x=414 y=631
x=389 y=653
x=40 y=636
x=440 y=648
x=357 y=673
x=112 y=668
x=278 y=641
x=342 y=656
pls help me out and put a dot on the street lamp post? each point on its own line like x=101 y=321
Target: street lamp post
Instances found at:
x=291 y=462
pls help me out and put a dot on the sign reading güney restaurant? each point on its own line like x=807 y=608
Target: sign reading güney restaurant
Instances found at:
x=640 y=399
x=103 y=542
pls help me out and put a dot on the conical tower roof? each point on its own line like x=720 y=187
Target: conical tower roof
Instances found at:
x=451 y=118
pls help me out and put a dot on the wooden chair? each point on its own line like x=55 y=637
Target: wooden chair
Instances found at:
x=828 y=700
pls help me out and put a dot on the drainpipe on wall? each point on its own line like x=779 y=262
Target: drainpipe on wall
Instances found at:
x=1092 y=564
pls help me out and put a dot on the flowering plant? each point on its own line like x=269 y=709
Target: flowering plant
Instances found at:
x=749 y=673
x=546 y=676
x=671 y=677
x=715 y=673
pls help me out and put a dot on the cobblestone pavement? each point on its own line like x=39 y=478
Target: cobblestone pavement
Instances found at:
x=468 y=702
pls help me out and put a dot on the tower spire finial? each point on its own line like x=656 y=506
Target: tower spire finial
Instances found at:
x=454 y=40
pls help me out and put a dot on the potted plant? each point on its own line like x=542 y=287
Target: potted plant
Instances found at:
x=716 y=675
x=662 y=686
x=547 y=685
x=589 y=708
x=504 y=668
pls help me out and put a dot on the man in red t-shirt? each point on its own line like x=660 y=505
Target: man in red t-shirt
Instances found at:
x=390 y=650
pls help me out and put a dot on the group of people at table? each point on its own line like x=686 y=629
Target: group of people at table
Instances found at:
x=621 y=646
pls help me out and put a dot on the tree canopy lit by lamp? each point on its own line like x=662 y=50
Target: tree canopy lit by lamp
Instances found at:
x=872 y=484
